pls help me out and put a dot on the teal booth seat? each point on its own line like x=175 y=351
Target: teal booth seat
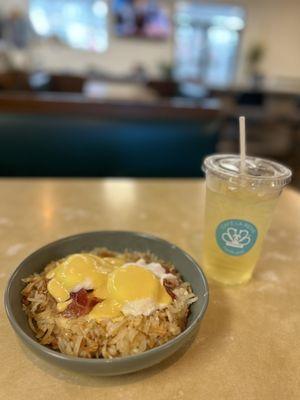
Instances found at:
x=40 y=146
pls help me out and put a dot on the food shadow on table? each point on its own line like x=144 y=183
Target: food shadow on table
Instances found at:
x=213 y=329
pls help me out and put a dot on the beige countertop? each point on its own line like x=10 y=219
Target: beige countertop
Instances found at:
x=248 y=345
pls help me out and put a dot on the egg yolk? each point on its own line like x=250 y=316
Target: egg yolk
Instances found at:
x=132 y=283
x=116 y=285
x=128 y=284
x=76 y=272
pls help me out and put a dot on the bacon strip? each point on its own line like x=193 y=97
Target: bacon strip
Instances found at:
x=81 y=304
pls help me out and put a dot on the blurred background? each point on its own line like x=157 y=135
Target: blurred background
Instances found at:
x=145 y=88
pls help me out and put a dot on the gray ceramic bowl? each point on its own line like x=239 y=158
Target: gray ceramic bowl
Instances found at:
x=118 y=241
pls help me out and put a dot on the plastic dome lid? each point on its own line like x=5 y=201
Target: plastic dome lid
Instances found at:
x=258 y=170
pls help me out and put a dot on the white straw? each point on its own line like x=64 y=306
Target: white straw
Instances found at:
x=243 y=144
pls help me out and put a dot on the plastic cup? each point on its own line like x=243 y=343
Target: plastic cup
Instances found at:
x=238 y=213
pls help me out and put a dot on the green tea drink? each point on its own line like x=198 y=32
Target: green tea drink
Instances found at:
x=238 y=214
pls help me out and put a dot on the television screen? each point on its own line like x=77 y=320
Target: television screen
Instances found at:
x=141 y=18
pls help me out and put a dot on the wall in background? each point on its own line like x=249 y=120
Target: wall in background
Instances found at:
x=8 y=6
x=122 y=55
x=273 y=23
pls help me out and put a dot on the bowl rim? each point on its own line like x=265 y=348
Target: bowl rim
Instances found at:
x=96 y=361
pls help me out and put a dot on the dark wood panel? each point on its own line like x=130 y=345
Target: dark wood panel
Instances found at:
x=81 y=106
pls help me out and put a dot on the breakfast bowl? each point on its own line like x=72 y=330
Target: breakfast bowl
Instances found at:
x=117 y=241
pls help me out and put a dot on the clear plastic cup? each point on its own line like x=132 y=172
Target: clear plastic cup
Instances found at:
x=238 y=213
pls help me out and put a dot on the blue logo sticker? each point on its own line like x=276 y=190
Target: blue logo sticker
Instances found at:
x=236 y=237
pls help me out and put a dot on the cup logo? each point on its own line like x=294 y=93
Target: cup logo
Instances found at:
x=236 y=237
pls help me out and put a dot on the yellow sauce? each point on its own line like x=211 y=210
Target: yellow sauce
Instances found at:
x=115 y=285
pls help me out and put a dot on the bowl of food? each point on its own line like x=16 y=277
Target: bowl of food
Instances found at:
x=108 y=302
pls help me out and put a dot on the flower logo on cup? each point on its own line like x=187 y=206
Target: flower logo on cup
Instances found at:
x=236 y=237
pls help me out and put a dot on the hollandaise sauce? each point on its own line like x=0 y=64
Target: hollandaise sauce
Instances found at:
x=107 y=287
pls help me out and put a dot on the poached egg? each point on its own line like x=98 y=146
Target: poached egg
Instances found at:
x=123 y=288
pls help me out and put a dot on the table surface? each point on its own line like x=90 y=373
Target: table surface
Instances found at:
x=248 y=344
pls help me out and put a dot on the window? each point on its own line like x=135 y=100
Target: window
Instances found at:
x=206 y=41
x=81 y=24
